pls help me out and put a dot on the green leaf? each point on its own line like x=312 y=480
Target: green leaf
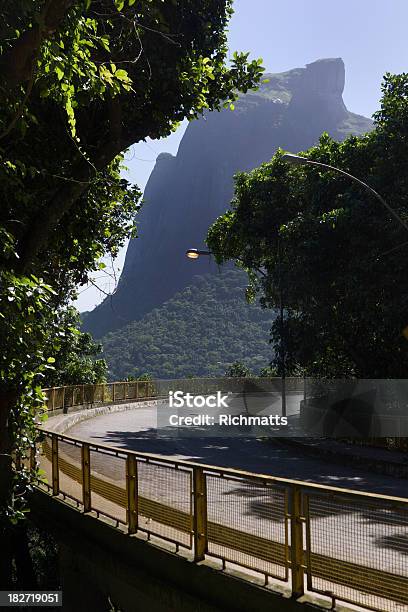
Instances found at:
x=122 y=75
x=104 y=40
x=59 y=72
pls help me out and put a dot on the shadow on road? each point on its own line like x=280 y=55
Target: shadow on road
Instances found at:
x=255 y=455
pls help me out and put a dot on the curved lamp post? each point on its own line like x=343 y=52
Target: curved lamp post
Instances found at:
x=297 y=160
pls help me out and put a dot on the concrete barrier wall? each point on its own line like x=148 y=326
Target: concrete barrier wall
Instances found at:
x=62 y=422
x=101 y=564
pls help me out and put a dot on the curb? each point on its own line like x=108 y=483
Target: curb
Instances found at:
x=61 y=423
x=379 y=466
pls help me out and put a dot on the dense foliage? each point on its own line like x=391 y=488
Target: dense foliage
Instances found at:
x=81 y=80
x=201 y=331
x=237 y=370
x=339 y=257
x=79 y=357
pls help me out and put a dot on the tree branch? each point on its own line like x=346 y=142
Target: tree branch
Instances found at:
x=17 y=63
x=47 y=218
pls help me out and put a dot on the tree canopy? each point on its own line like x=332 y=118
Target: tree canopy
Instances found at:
x=339 y=257
x=81 y=81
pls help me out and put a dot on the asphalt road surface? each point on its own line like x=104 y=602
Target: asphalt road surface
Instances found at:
x=137 y=430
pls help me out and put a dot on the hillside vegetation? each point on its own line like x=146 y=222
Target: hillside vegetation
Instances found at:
x=199 y=332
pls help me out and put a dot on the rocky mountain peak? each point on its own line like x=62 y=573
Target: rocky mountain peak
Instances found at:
x=186 y=193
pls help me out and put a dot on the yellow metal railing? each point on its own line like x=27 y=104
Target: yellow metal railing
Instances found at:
x=60 y=398
x=347 y=545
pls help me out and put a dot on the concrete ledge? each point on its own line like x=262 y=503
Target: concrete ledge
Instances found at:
x=62 y=422
x=100 y=563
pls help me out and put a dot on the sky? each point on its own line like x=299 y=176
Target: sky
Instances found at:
x=370 y=36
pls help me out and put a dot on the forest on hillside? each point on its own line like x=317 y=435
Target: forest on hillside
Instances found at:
x=199 y=332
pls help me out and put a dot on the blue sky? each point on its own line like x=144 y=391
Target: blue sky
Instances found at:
x=370 y=36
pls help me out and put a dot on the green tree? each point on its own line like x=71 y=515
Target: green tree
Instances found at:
x=268 y=372
x=338 y=256
x=82 y=80
x=78 y=360
x=237 y=370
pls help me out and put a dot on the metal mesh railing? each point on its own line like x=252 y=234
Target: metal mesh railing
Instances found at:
x=63 y=398
x=357 y=550
x=70 y=472
x=165 y=501
x=108 y=483
x=248 y=524
x=346 y=545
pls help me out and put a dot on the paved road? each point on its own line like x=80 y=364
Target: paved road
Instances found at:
x=137 y=430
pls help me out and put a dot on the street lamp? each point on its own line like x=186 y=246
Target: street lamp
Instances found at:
x=195 y=254
x=297 y=160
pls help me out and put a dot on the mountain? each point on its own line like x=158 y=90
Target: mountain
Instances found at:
x=187 y=192
x=198 y=332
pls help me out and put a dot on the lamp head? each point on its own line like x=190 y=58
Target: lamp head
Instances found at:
x=193 y=253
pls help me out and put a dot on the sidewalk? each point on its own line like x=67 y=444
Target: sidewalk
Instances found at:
x=379 y=460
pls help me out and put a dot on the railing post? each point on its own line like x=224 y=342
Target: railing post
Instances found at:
x=54 y=464
x=132 y=493
x=296 y=543
x=63 y=400
x=200 y=514
x=113 y=391
x=137 y=390
x=53 y=399
x=103 y=392
x=92 y=390
x=86 y=476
